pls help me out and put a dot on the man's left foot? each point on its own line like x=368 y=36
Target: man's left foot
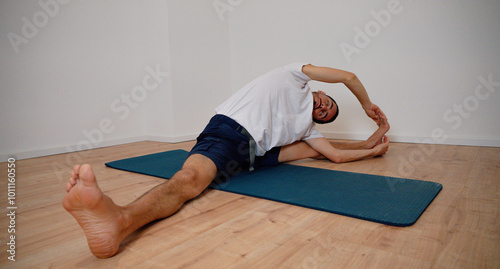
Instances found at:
x=100 y=218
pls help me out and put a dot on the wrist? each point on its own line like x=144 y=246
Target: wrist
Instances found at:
x=367 y=105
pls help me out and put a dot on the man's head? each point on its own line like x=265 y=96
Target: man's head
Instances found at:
x=325 y=109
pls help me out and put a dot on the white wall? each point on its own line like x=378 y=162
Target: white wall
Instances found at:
x=199 y=47
x=426 y=58
x=71 y=71
x=75 y=70
x=86 y=63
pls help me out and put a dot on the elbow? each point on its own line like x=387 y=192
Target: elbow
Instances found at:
x=350 y=77
x=337 y=158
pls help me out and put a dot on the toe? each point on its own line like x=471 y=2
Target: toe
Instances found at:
x=74 y=172
x=69 y=186
x=86 y=174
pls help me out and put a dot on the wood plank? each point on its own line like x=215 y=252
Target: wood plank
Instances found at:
x=224 y=230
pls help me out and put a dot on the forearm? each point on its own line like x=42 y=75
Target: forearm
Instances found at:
x=348 y=155
x=349 y=145
x=357 y=88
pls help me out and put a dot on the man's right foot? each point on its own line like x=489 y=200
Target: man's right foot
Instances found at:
x=100 y=218
x=379 y=136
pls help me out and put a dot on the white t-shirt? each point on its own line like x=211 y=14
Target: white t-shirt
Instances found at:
x=276 y=108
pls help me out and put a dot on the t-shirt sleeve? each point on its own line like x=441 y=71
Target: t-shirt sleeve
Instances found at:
x=296 y=70
x=313 y=133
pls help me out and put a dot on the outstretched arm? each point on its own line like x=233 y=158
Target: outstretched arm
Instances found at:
x=350 y=80
x=323 y=146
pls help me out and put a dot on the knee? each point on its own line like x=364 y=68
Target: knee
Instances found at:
x=186 y=183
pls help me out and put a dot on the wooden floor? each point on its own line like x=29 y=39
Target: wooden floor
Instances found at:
x=460 y=229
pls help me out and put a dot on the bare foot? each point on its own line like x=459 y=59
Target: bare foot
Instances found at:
x=100 y=218
x=383 y=124
x=378 y=137
x=382 y=140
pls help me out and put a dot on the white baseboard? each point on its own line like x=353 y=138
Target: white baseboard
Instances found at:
x=73 y=148
x=455 y=140
x=171 y=139
x=64 y=149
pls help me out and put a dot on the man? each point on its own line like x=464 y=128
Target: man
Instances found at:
x=267 y=122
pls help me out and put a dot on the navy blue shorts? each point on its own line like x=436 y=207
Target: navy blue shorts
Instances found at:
x=223 y=142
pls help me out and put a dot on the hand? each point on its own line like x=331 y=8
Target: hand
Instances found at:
x=383 y=147
x=374 y=112
x=383 y=124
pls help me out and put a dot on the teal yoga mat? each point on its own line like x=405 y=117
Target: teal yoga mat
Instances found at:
x=387 y=200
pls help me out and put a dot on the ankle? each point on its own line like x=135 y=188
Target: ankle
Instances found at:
x=368 y=144
x=127 y=220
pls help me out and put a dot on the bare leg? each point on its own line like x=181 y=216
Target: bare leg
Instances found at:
x=297 y=151
x=106 y=224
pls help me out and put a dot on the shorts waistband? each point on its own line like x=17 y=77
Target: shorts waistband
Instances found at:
x=228 y=121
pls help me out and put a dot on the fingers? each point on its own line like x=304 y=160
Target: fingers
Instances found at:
x=373 y=115
x=377 y=115
x=384 y=140
x=382 y=113
x=382 y=118
x=376 y=109
x=383 y=146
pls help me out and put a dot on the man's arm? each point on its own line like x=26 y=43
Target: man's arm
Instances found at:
x=323 y=146
x=372 y=141
x=350 y=145
x=350 y=80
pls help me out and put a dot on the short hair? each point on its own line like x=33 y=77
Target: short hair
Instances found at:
x=334 y=116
